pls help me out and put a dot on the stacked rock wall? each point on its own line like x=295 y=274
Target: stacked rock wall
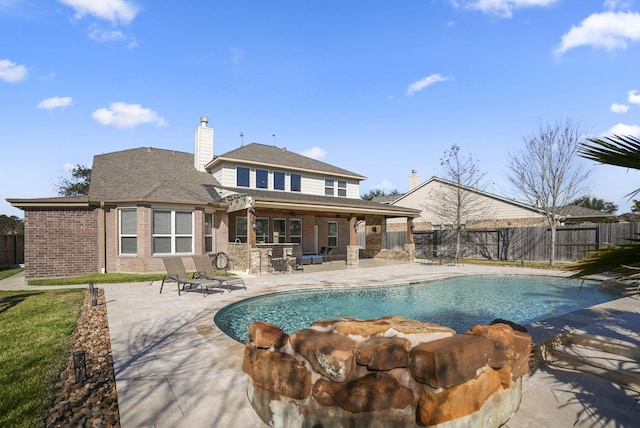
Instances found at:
x=386 y=372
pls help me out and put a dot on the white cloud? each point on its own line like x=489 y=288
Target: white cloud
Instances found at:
x=11 y=72
x=502 y=8
x=624 y=129
x=608 y=30
x=55 y=102
x=427 y=81
x=633 y=98
x=385 y=185
x=123 y=115
x=101 y=35
x=69 y=167
x=617 y=4
x=619 y=108
x=114 y=11
x=314 y=153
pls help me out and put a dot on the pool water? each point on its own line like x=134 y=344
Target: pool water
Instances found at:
x=459 y=303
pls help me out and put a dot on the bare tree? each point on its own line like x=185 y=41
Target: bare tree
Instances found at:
x=457 y=203
x=548 y=174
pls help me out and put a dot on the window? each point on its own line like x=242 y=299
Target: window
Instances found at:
x=128 y=231
x=295 y=230
x=262 y=179
x=278 y=180
x=332 y=235
x=279 y=230
x=172 y=232
x=262 y=230
x=296 y=182
x=241 y=229
x=242 y=176
x=208 y=232
x=328 y=186
x=342 y=188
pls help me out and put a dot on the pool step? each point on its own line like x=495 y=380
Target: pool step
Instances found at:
x=613 y=359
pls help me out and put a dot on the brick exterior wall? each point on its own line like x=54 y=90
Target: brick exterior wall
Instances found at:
x=60 y=242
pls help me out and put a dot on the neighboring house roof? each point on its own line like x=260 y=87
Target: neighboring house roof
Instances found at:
x=628 y=217
x=279 y=157
x=153 y=175
x=294 y=200
x=399 y=198
x=582 y=214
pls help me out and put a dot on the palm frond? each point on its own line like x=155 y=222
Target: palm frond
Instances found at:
x=622 y=261
x=615 y=150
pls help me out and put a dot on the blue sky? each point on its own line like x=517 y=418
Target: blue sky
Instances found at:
x=375 y=87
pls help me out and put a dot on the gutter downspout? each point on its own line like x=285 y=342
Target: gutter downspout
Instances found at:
x=103 y=236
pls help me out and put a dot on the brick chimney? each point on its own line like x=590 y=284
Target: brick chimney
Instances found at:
x=203 y=152
x=414 y=180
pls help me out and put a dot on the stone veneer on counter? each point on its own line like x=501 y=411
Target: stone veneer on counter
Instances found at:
x=386 y=372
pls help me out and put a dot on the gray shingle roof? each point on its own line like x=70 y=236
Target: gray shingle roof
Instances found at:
x=280 y=157
x=150 y=174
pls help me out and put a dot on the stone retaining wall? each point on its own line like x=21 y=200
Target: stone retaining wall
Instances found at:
x=386 y=372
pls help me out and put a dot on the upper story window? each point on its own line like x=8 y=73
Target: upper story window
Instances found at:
x=172 y=232
x=242 y=176
x=278 y=180
x=342 y=188
x=262 y=179
x=328 y=186
x=296 y=183
x=128 y=231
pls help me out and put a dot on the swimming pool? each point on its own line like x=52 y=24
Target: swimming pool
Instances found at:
x=458 y=302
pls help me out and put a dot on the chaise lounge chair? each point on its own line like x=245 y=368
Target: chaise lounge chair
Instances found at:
x=205 y=270
x=176 y=272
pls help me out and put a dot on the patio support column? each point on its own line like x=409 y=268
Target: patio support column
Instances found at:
x=353 y=252
x=352 y=231
x=409 y=231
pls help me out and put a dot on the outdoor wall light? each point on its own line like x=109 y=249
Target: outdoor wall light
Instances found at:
x=292 y=213
x=254 y=224
x=413 y=228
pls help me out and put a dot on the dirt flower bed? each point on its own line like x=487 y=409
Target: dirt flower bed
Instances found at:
x=93 y=403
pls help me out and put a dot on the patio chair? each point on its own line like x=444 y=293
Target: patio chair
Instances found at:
x=325 y=252
x=176 y=272
x=205 y=270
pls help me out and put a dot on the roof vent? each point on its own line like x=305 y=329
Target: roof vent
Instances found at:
x=203 y=121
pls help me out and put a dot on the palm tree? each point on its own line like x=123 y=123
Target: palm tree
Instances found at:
x=621 y=261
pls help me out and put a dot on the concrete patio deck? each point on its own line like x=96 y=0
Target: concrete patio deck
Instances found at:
x=175 y=368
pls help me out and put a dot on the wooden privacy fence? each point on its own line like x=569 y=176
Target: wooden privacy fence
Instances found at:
x=520 y=243
x=11 y=250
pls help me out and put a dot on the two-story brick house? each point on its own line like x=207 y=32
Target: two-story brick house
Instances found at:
x=146 y=203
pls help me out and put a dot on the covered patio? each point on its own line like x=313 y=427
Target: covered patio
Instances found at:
x=266 y=225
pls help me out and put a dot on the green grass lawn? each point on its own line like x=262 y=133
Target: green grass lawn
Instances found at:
x=6 y=273
x=36 y=328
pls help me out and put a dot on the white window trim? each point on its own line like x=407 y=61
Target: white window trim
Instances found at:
x=173 y=235
x=126 y=235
